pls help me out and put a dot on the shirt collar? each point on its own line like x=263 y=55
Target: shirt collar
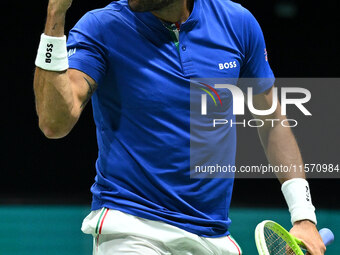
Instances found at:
x=152 y=21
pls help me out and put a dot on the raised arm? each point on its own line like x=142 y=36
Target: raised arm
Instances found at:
x=60 y=95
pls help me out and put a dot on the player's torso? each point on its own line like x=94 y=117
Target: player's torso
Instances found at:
x=142 y=107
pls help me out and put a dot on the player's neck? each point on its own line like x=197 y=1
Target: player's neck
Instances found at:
x=179 y=11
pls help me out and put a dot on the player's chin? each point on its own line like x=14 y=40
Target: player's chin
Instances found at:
x=137 y=5
x=148 y=5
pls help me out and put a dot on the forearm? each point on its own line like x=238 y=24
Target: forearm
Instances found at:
x=53 y=91
x=55 y=22
x=281 y=148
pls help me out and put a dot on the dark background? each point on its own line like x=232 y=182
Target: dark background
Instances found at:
x=300 y=40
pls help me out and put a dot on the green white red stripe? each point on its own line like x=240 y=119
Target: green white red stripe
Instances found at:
x=101 y=220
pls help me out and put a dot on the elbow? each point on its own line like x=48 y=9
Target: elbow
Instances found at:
x=53 y=131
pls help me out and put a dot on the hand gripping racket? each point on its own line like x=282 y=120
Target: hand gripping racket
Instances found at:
x=273 y=239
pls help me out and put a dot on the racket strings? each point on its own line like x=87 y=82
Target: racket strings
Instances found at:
x=276 y=244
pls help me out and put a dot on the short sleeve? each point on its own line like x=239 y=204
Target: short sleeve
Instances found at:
x=86 y=49
x=255 y=65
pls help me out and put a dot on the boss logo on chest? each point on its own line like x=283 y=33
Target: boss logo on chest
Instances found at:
x=227 y=65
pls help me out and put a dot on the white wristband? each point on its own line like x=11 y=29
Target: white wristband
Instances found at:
x=52 y=53
x=297 y=194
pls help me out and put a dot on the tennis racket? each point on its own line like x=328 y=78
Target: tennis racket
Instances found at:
x=273 y=239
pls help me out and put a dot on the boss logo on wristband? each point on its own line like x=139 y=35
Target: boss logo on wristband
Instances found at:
x=307 y=194
x=297 y=194
x=49 y=51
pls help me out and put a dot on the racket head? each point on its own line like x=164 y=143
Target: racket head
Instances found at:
x=271 y=238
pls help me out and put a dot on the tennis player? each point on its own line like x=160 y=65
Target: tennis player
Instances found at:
x=135 y=59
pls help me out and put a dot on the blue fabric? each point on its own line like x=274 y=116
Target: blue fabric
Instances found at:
x=141 y=107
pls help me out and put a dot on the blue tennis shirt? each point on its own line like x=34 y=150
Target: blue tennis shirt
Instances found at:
x=141 y=107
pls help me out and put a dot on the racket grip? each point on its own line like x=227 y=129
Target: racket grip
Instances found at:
x=327 y=236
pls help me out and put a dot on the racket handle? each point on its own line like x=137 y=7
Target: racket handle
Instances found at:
x=327 y=236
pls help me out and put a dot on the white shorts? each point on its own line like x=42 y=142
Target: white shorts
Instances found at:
x=118 y=233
